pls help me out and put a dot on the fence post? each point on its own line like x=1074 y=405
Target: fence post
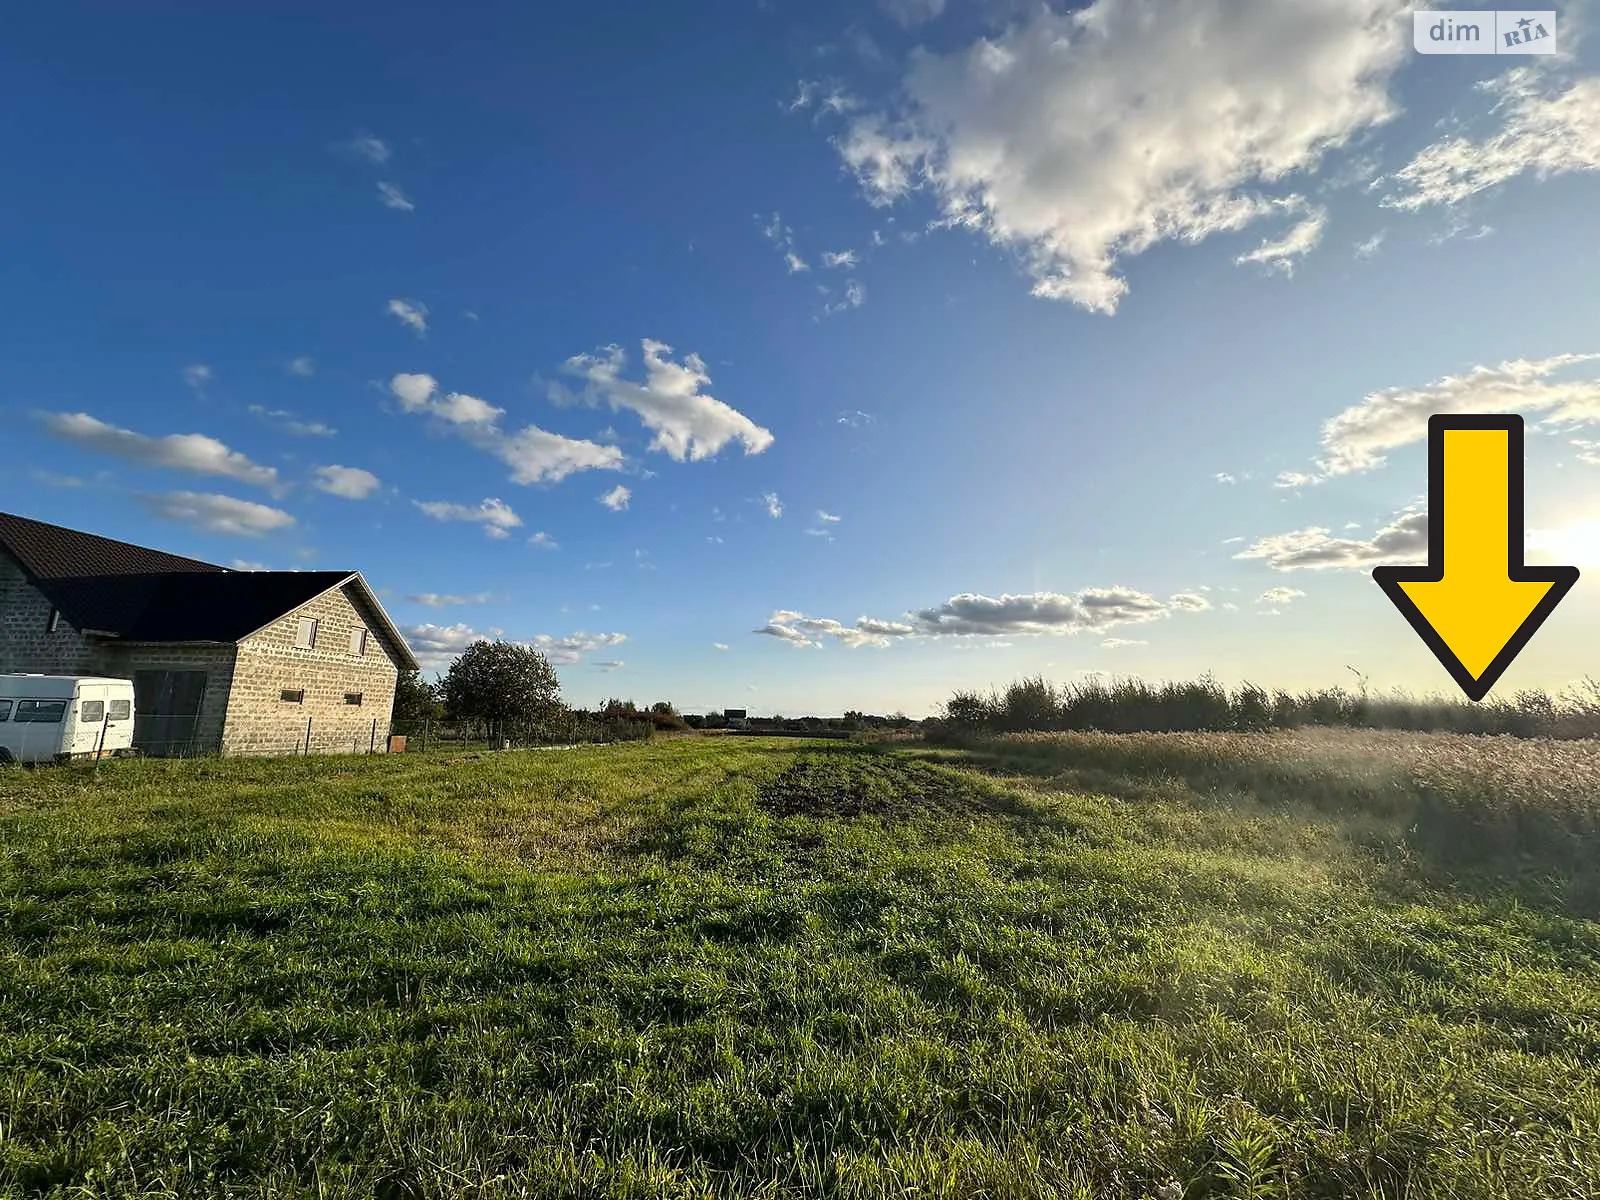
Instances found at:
x=100 y=745
x=372 y=746
x=308 y=736
x=427 y=724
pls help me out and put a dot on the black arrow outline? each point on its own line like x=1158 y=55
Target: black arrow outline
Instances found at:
x=1390 y=578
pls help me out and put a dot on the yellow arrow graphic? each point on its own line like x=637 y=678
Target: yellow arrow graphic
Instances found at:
x=1475 y=604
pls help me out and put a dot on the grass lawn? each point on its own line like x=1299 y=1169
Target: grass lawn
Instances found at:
x=1078 y=966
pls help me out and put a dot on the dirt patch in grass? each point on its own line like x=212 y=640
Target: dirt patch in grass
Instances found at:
x=874 y=786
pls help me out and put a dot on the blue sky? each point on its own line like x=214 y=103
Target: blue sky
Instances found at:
x=929 y=343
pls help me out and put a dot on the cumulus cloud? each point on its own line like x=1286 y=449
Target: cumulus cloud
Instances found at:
x=288 y=422
x=435 y=600
x=1279 y=254
x=617 y=498
x=1280 y=596
x=352 y=483
x=773 y=505
x=411 y=313
x=391 y=196
x=1369 y=247
x=197 y=375
x=911 y=13
x=839 y=258
x=495 y=516
x=673 y=401
x=972 y=615
x=211 y=513
x=781 y=236
x=436 y=645
x=1359 y=438
x=193 y=452
x=374 y=149
x=1404 y=540
x=1547 y=127
x=854 y=297
x=534 y=455
x=1078 y=138
x=303 y=366
x=544 y=542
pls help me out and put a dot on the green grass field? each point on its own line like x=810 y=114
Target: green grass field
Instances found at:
x=1077 y=966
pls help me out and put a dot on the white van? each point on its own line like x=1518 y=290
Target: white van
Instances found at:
x=49 y=718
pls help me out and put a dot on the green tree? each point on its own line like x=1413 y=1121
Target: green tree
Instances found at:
x=416 y=702
x=506 y=690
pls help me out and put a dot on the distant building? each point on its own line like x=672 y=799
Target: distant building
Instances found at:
x=230 y=662
x=737 y=718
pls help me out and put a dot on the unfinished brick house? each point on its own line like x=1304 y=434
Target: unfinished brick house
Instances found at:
x=222 y=661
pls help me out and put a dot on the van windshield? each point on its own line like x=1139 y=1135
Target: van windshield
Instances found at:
x=41 y=712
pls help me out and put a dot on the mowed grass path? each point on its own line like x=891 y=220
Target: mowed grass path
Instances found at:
x=739 y=967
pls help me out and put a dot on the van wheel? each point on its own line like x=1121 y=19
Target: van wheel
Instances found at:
x=5 y=757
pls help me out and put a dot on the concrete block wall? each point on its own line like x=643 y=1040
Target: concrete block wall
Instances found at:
x=121 y=659
x=26 y=643
x=269 y=663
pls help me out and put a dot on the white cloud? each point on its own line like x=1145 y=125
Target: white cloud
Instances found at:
x=828 y=518
x=1369 y=247
x=609 y=664
x=795 y=263
x=828 y=97
x=911 y=13
x=1547 y=128
x=1279 y=596
x=854 y=297
x=719 y=645
x=216 y=514
x=1301 y=239
x=1225 y=477
x=303 y=366
x=352 y=483
x=1118 y=643
x=411 y=313
x=391 y=196
x=1403 y=541
x=373 y=149
x=534 y=455
x=193 y=452
x=1359 y=438
x=970 y=614
x=617 y=498
x=415 y=392
x=495 y=516
x=1080 y=138
x=197 y=375
x=773 y=505
x=856 y=419
x=544 y=542
x=245 y=564
x=1296 y=479
x=672 y=401
x=839 y=258
x=434 y=600
x=289 y=423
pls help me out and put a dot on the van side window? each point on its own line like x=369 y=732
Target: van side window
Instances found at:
x=92 y=712
x=121 y=710
x=40 y=712
x=5 y=710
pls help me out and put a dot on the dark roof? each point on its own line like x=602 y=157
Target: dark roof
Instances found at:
x=51 y=552
x=108 y=587
x=178 y=606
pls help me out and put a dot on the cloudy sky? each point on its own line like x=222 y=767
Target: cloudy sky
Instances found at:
x=804 y=356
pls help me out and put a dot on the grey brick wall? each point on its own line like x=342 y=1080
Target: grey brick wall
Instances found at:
x=121 y=659
x=260 y=721
x=26 y=643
